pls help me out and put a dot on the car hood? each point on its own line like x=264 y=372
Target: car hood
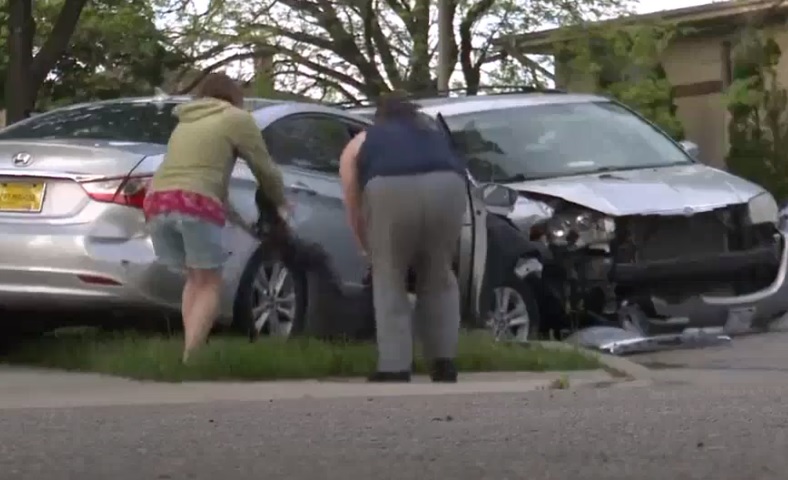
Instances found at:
x=653 y=191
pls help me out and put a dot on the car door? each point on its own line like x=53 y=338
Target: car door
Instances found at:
x=307 y=146
x=472 y=251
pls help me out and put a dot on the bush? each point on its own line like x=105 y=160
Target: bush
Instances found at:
x=624 y=63
x=758 y=131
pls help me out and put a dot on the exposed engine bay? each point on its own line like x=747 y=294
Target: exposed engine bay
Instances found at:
x=647 y=273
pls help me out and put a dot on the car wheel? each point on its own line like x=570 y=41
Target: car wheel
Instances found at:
x=514 y=313
x=271 y=298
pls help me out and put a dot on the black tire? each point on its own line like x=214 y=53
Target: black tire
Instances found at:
x=521 y=295
x=246 y=297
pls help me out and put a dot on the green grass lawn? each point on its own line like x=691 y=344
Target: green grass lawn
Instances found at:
x=234 y=358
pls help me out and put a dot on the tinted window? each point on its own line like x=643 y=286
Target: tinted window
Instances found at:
x=150 y=122
x=311 y=142
x=558 y=140
x=124 y=122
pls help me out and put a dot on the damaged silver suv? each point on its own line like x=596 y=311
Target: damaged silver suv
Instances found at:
x=638 y=233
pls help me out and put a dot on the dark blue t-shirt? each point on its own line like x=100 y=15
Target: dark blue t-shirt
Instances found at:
x=404 y=147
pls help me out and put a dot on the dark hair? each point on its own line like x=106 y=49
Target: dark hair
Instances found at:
x=396 y=106
x=222 y=87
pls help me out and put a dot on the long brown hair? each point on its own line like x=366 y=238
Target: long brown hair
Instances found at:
x=222 y=87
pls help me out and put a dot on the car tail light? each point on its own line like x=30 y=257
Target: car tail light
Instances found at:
x=128 y=191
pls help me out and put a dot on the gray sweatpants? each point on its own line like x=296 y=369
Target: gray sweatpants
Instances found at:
x=414 y=221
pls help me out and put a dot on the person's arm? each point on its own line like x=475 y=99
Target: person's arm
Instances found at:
x=348 y=172
x=250 y=146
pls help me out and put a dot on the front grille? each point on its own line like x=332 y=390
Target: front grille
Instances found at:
x=668 y=237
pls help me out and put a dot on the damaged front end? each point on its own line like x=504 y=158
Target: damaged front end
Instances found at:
x=638 y=281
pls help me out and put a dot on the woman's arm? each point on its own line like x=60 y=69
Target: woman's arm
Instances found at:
x=249 y=143
x=348 y=172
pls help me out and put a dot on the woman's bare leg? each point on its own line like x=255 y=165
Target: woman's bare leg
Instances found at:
x=187 y=299
x=204 y=289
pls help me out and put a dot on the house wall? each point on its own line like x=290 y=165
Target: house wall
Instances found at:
x=695 y=68
x=705 y=117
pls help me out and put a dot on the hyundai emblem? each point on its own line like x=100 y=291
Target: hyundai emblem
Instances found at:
x=22 y=159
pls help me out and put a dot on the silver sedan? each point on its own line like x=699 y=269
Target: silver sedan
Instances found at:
x=73 y=237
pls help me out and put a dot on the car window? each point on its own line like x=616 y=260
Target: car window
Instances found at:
x=310 y=142
x=124 y=122
x=540 y=141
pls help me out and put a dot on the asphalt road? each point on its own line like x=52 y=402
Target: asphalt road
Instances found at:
x=757 y=353
x=671 y=431
x=701 y=422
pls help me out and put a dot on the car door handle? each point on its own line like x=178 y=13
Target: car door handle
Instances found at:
x=303 y=188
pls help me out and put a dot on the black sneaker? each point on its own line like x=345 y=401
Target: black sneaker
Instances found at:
x=443 y=371
x=389 y=377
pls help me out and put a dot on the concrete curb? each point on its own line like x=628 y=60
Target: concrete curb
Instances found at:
x=49 y=389
x=615 y=366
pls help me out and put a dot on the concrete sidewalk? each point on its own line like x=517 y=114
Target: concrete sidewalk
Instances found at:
x=34 y=388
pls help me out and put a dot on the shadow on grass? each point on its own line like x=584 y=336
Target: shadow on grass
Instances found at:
x=226 y=357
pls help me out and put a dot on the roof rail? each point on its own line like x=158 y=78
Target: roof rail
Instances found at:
x=456 y=92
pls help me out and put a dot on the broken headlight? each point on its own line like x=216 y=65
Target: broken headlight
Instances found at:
x=580 y=228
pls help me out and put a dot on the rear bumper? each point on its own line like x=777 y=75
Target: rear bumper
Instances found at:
x=79 y=272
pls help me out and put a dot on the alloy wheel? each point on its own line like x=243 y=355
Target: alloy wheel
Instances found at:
x=274 y=300
x=509 y=318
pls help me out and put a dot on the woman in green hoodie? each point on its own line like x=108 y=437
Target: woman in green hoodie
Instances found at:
x=186 y=205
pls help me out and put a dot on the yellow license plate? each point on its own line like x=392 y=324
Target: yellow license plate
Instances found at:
x=22 y=197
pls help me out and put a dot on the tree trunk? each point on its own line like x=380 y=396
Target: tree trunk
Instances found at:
x=446 y=56
x=18 y=90
x=420 y=80
x=26 y=73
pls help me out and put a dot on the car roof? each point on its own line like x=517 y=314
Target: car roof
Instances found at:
x=267 y=115
x=450 y=106
x=254 y=102
x=265 y=111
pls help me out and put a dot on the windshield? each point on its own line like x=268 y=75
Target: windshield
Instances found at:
x=541 y=141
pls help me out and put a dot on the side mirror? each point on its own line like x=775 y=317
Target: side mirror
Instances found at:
x=691 y=148
x=498 y=196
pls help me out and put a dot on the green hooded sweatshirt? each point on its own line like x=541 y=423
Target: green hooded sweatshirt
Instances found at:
x=203 y=147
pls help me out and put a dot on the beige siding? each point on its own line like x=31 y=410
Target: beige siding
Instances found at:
x=693 y=60
x=704 y=123
x=704 y=116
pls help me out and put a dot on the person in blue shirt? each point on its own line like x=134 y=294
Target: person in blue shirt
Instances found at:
x=405 y=194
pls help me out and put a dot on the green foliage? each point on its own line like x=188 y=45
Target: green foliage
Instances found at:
x=624 y=63
x=758 y=129
x=116 y=50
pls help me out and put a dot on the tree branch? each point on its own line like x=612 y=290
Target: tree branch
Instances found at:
x=529 y=63
x=403 y=11
x=58 y=40
x=220 y=63
x=470 y=71
x=324 y=81
x=341 y=43
x=322 y=69
x=373 y=33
